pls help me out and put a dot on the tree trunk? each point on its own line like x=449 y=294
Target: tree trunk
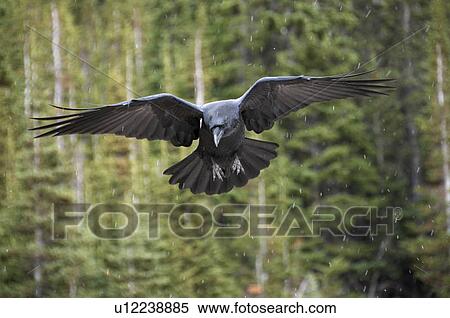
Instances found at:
x=134 y=148
x=139 y=59
x=287 y=282
x=57 y=64
x=199 y=77
x=379 y=142
x=261 y=276
x=79 y=170
x=27 y=75
x=73 y=287
x=141 y=162
x=131 y=269
x=78 y=158
x=443 y=127
x=373 y=287
x=38 y=233
x=411 y=129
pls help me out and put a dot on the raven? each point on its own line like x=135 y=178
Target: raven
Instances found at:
x=224 y=158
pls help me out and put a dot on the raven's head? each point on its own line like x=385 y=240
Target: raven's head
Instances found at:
x=221 y=118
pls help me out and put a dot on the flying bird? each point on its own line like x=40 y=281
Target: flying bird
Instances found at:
x=224 y=158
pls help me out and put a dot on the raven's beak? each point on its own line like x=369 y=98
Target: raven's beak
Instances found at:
x=217 y=133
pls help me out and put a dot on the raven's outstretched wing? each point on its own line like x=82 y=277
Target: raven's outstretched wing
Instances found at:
x=271 y=98
x=156 y=117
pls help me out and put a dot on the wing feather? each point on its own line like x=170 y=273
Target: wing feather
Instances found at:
x=161 y=116
x=272 y=98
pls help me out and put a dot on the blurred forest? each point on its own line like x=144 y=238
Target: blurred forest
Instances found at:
x=384 y=151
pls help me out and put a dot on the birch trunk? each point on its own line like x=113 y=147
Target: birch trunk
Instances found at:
x=131 y=269
x=287 y=282
x=142 y=165
x=443 y=127
x=133 y=143
x=57 y=64
x=261 y=275
x=78 y=158
x=199 y=76
x=27 y=75
x=373 y=286
x=139 y=59
x=38 y=233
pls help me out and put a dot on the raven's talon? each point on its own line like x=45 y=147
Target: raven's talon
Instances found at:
x=237 y=166
x=217 y=172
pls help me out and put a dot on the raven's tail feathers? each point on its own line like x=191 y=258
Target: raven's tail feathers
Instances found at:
x=195 y=171
x=255 y=155
x=191 y=172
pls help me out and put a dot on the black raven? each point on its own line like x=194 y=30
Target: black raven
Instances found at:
x=224 y=158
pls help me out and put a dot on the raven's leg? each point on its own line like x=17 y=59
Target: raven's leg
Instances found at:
x=217 y=172
x=237 y=167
